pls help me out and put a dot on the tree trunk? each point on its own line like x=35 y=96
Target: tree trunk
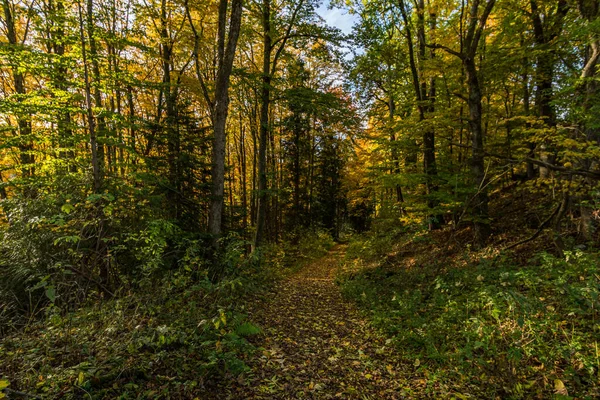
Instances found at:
x=425 y=100
x=100 y=122
x=243 y=184
x=26 y=156
x=526 y=108
x=429 y=163
x=588 y=88
x=546 y=28
x=263 y=197
x=97 y=180
x=480 y=200
x=170 y=123
x=226 y=54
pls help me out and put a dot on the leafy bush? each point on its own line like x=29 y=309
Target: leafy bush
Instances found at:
x=493 y=328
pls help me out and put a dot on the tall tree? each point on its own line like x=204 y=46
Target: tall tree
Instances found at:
x=26 y=155
x=227 y=38
x=425 y=96
x=273 y=48
x=547 y=21
x=470 y=41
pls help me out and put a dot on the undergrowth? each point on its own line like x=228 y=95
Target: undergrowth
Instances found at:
x=176 y=334
x=481 y=326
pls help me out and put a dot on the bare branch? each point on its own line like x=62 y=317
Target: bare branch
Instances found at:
x=446 y=49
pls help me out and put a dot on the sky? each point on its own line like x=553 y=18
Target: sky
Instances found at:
x=337 y=17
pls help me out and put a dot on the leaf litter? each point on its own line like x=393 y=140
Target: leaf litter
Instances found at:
x=317 y=345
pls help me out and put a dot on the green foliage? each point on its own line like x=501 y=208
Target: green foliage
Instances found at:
x=173 y=337
x=493 y=328
x=76 y=243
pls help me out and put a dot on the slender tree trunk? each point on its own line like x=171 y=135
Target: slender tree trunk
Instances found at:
x=589 y=10
x=56 y=33
x=97 y=179
x=429 y=162
x=254 y=199
x=93 y=55
x=311 y=173
x=226 y=56
x=480 y=200
x=170 y=123
x=297 y=132
x=26 y=156
x=231 y=179
x=469 y=48
x=131 y=121
x=242 y=173
x=425 y=100
x=526 y=110
x=263 y=197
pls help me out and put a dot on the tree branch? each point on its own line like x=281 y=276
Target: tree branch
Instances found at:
x=537 y=233
x=481 y=25
x=446 y=49
x=286 y=37
x=199 y=76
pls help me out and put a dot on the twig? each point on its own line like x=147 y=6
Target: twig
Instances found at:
x=537 y=233
x=22 y=394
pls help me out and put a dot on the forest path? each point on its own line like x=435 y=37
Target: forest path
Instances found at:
x=317 y=345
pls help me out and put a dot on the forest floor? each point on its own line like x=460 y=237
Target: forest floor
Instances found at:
x=315 y=344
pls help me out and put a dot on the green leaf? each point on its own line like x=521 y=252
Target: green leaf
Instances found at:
x=67 y=208
x=4 y=384
x=247 y=329
x=51 y=293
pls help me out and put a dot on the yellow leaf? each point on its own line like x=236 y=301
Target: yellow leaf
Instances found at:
x=417 y=362
x=80 y=378
x=560 y=388
x=4 y=384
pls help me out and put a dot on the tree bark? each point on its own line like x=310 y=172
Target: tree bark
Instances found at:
x=480 y=199
x=226 y=54
x=261 y=217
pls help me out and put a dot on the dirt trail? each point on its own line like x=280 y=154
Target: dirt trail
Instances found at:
x=317 y=345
